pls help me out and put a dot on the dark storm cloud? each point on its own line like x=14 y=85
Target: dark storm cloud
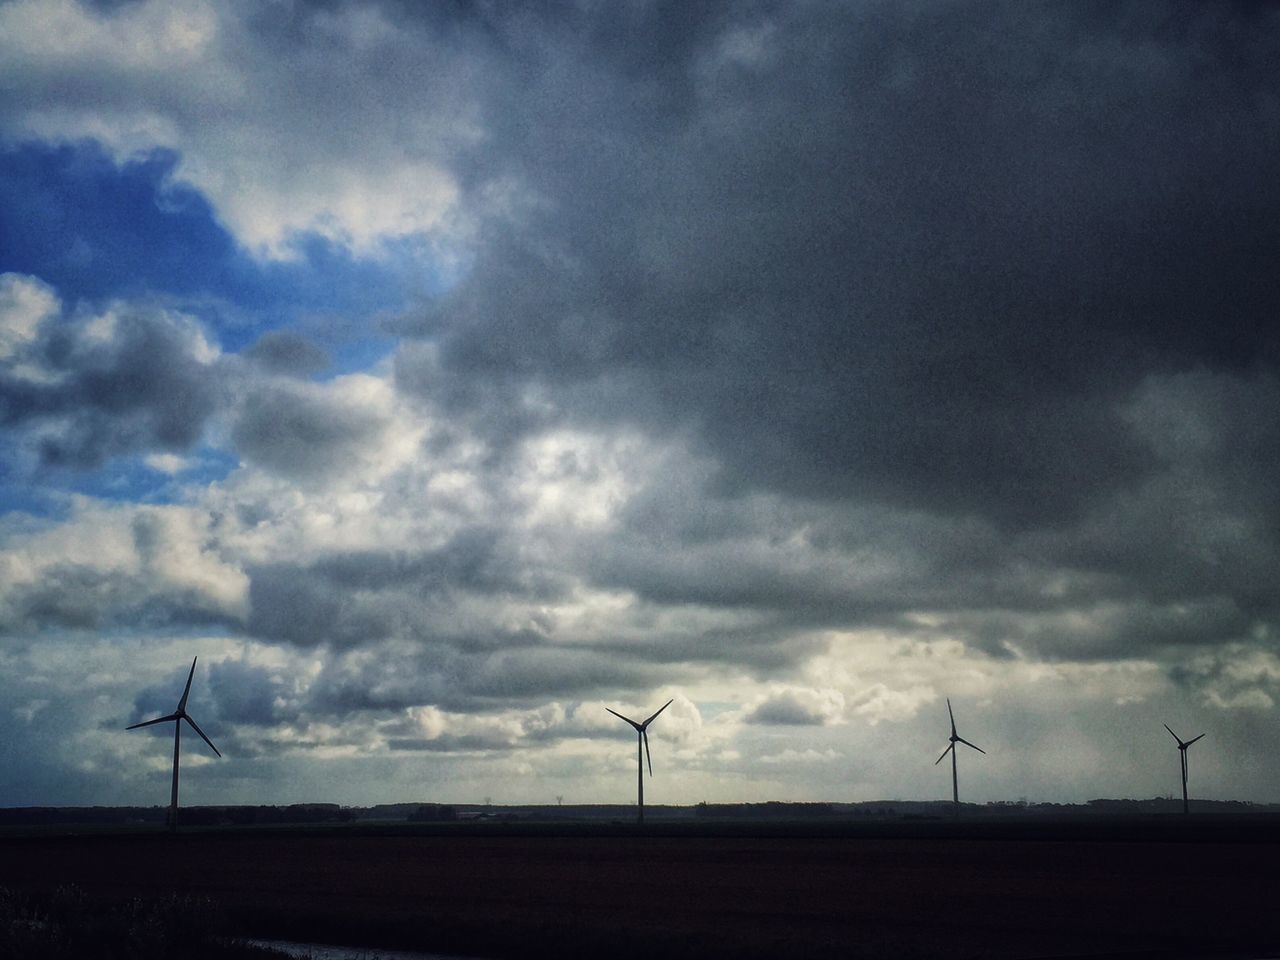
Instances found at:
x=787 y=710
x=914 y=254
x=350 y=598
x=971 y=307
x=476 y=559
x=284 y=351
x=242 y=693
x=234 y=701
x=72 y=596
x=160 y=698
x=1186 y=560
x=1133 y=627
x=460 y=626
x=39 y=731
x=287 y=604
x=533 y=674
x=761 y=646
x=304 y=435
x=140 y=383
x=392 y=677
x=446 y=628
x=447 y=617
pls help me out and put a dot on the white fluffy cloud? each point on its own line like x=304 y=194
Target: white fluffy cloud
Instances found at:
x=107 y=565
x=346 y=136
x=25 y=303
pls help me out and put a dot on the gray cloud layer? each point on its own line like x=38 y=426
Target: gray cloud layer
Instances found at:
x=914 y=254
x=1004 y=273
x=90 y=389
x=942 y=322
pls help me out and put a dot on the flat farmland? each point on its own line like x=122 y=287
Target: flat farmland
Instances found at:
x=991 y=893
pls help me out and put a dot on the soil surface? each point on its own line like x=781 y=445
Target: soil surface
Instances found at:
x=697 y=896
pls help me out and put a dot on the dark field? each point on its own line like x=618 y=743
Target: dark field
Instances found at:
x=980 y=890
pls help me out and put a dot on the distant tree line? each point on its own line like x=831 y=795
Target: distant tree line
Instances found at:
x=245 y=816
x=770 y=809
x=26 y=816
x=191 y=816
x=433 y=813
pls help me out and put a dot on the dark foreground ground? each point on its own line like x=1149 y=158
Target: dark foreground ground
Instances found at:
x=1169 y=889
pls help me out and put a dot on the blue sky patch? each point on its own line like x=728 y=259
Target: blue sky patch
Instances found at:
x=96 y=230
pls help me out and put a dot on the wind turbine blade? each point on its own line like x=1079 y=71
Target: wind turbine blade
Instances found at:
x=147 y=723
x=196 y=728
x=968 y=744
x=658 y=711
x=950 y=747
x=645 y=737
x=1172 y=734
x=621 y=717
x=186 y=692
x=952 y=716
x=1190 y=742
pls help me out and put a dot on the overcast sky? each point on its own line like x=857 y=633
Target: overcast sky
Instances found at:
x=440 y=374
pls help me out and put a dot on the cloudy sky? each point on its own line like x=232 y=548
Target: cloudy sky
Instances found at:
x=441 y=373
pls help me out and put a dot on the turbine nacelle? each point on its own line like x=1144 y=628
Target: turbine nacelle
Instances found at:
x=1182 y=756
x=951 y=749
x=1182 y=744
x=177 y=718
x=642 y=735
x=955 y=737
x=643 y=727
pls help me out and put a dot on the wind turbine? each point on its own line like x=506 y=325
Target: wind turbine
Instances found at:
x=642 y=753
x=951 y=749
x=177 y=717
x=1182 y=749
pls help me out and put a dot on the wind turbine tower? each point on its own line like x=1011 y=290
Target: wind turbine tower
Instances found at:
x=1182 y=750
x=177 y=717
x=951 y=749
x=642 y=754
